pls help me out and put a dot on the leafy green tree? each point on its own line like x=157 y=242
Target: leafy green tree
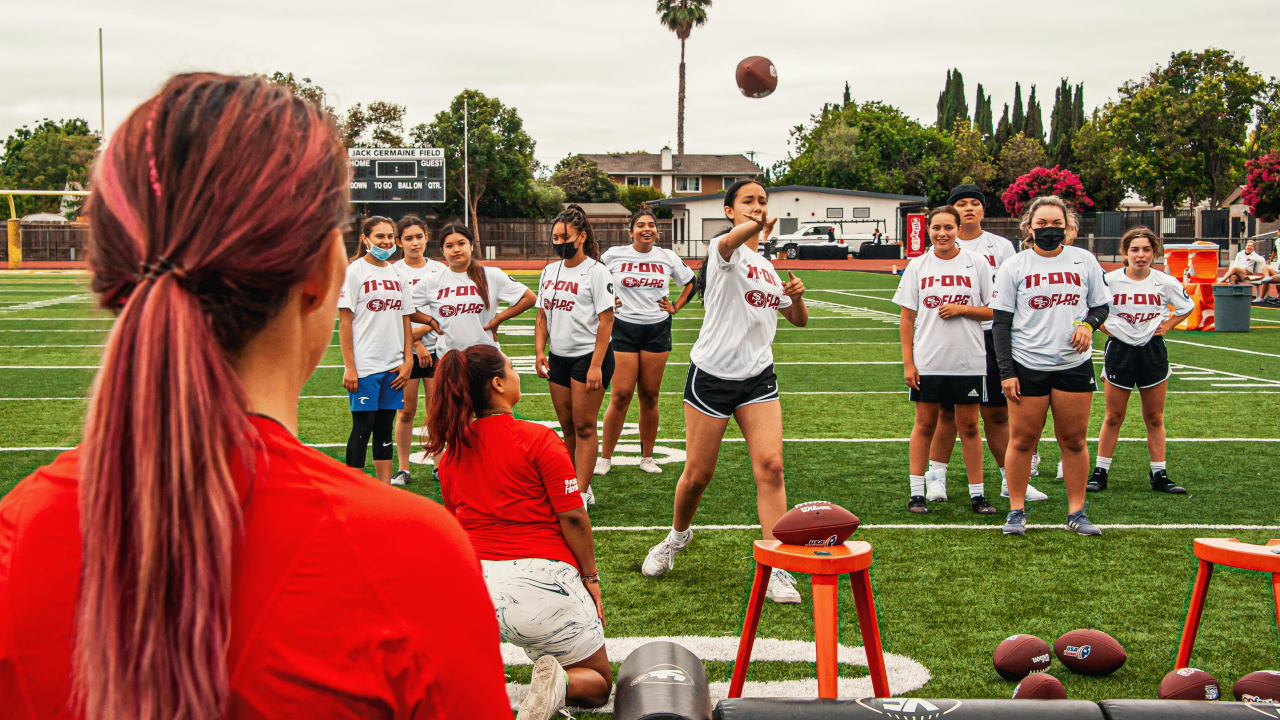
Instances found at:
x=1020 y=156
x=1032 y=126
x=1095 y=154
x=952 y=107
x=547 y=198
x=305 y=89
x=583 y=181
x=967 y=161
x=1065 y=122
x=847 y=97
x=681 y=17
x=1265 y=136
x=634 y=196
x=381 y=124
x=501 y=155
x=48 y=156
x=1004 y=131
x=1018 y=120
x=982 y=119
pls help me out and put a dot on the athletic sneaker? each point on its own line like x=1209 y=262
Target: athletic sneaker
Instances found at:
x=1035 y=464
x=435 y=474
x=1033 y=495
x=1160 y=482
x=602 y=466
x=1079 y=522
x=400 y=478
x=1016 y=523
x=547 y=689
x=917 y=505
x=1098 y=482
x=782 y=588
x=935 y=487
x=981 y=506
x=662 y=557
x=649 y=465
x=588 y=497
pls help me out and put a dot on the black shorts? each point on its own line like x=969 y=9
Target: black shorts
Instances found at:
x=995 y=393
x=1039 y=383
x=1142 y=366
x=563 y=369
x=632 y=338
x=718 y=397
x=418 y=372
x=950 y=389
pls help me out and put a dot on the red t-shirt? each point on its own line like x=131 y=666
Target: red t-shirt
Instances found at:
x=350 y=599
x=507 y=487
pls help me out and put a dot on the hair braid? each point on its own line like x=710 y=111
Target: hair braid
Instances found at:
x=574 y=216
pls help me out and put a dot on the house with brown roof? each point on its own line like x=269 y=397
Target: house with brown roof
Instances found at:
x=677 y=175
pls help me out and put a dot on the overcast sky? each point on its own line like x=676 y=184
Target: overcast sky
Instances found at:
x=601 y=75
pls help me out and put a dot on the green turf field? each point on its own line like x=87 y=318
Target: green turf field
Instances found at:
x=948 y=585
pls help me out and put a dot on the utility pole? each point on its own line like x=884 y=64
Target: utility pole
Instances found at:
x=102 y=96
x=466 y=166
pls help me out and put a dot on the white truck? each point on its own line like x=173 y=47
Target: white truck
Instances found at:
x=819 y=233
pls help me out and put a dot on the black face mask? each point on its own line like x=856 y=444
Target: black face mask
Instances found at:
x=565 y=250
x=1049 y=238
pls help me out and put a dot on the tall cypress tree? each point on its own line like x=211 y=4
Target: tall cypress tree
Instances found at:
x=1002 y=134
x=982 y=121
x=952 y=106
x=944 y=100
x=847 y=98
x=1062 y=125
x=1077 y=120
x=1018 y=118
x=1033 y=127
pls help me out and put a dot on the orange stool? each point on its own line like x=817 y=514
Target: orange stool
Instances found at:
x=825 y=565
x=1232 y=553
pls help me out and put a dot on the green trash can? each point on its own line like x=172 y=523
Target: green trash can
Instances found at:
x=1231 y=307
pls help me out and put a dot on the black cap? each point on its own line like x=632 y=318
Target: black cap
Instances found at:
x=961 y=192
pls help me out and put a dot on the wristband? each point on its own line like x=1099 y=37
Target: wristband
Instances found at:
x=592 y=578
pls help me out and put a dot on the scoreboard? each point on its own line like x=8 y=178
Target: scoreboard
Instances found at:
x=397 y=174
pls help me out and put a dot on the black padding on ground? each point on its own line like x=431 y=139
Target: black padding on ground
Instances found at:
x=822 y=252
x=1186 y=710
x=662 y=681
x=880 y=252
x=905 y=709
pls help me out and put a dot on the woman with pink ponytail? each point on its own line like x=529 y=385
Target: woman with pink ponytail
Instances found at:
x=192 y=559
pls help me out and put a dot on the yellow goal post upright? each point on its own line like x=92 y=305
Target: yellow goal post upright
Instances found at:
x=15 y=225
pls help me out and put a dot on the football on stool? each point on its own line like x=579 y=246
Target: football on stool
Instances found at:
x=1019 y=656
x=1040 y=686
x=1262 y=686
x=815 y=524
x=1089 y=652
x=1189 y=684
x=756 y=77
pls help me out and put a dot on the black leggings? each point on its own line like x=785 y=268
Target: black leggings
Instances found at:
x=378 y=423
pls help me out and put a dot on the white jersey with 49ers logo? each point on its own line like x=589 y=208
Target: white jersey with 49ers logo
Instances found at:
x=1047 y=295
x=378 y=301
x=641 y=280
x=946 y=346
x=455 y=302
x=1139 y=306
x=742 y=298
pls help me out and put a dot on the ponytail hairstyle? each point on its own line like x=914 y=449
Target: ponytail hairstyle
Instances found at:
x=194 y=250
x=943 y=210
x=730 y=196
x=1047 y=201
x=463 y=389
x=475 y=270
x=574 y=216
x=367 y=227
x=408 y=221
x=1141 y=231
x=641 y=213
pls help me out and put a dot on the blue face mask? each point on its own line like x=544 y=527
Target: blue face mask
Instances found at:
x=381 y=253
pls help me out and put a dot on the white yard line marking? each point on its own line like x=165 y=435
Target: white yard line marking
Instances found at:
x=77 y=299
x=1221 y=347
x=1177 y=368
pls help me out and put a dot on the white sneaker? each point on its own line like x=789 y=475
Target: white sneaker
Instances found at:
x=782 y=588
x=1033 y=495
x=935 y=486
x=647 y=464
x=602 y=466
x=662 y=557
x=400 y=478
x=589 y=496
x=547 y=690
x=1035 y=464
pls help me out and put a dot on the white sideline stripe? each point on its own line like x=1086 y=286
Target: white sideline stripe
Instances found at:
x=949 y=526
x=1220 y=347
x=1268 y=381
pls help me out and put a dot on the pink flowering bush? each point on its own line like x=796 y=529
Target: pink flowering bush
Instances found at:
x=1044 y=181
x=1262 y=187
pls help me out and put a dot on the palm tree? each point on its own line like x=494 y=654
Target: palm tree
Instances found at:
x=681 y=17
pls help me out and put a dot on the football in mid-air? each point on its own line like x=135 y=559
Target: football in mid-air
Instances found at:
x=1189 y=684
x=1262 y=686
x=757 y=77
x=1089 y=652
x=1040 y=686
x=815 y=524
x=1019 y=656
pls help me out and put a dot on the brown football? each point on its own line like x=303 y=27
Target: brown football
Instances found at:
x=1089 y=652
x=1189 y=684
x=757 y=77
x=1019 y=656
x=1040 y=686
x=815 y=524
x=1262 y=686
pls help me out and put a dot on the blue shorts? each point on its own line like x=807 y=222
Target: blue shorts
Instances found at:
x=375 y=393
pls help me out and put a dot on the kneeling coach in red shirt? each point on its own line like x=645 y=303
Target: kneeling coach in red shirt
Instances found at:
x=512 y=486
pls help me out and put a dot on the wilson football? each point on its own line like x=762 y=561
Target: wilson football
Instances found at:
x=1040 y=686
x=815 y=524
x=1189 y=684
x=1018 y=656
x=1089 y=652
x=757 y=77
x=1262 y=686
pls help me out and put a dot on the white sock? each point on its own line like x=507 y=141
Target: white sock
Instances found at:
x=1104 y=462
x=1155 y=466
x=940 y=467
x=1003 y=478
x=917 y=485
x=1059 y=469
x=975 y=490
x=642 y=458
x=680 y=537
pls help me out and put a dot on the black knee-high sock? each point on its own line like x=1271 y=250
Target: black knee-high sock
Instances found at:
x=358 y=444
x=384 y=422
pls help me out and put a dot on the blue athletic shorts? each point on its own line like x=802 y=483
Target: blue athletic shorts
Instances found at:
x=375 y=393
